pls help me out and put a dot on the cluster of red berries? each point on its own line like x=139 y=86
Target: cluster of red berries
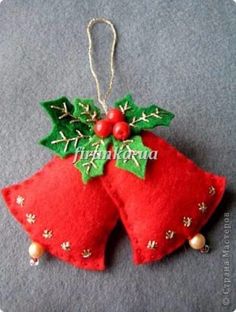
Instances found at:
x=113 y=124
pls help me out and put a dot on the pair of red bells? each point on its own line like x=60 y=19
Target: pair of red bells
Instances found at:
x=113 y=123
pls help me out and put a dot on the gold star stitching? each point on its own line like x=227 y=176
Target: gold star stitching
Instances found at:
x=31 y=218
x=212 y=190
x=65 y=246
x=202 y=207
x=20 y=200
x=86 y=253
x=152 y=244
x=170 y=234
x=47 y=234
x=187 y=221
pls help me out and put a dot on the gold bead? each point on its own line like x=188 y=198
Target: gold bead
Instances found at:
x=197 y=242
x=36 y=250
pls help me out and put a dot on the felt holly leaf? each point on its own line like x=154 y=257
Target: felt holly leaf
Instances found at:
x=68 y=133
x=132 y=155
x=140 y=118
x=86 y=111
x=93 y=157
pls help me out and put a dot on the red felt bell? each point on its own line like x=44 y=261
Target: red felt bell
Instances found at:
x=62 y=215
x=72 y=220
x=169 y=206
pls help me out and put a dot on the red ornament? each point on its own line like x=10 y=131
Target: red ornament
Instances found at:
x=70 y=220
x=103 y=128
x=121 y=130
x=115 y=115
x=73 y=220
x=168 y=207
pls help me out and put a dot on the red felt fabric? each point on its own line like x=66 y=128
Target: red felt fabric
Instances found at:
x=172 y=189
x=82 y=214
x=85 y=214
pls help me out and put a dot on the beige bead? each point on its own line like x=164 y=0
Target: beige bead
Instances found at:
x=197 y=242
x=36 y=250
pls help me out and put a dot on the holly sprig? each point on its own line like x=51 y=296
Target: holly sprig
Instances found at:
x=68 y=132
x=140 y=118
x=73 y=133
x=133 y=147
x=93 y=158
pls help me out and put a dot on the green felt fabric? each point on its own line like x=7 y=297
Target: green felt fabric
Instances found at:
x=72 y=129
x=128 y=155
x=140 y=118
x=86 y=111
x=68 y=132
x=92 y=165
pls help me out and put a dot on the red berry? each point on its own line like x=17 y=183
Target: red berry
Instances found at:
x=115 y=115
x=121 y=130
x=103 y=128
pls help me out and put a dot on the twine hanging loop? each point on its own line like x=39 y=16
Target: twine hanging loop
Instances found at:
x=102 y=98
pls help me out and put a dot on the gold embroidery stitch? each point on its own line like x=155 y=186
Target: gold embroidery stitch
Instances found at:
x=152 y=244
x=187 y=221
x=64 y=110
x=125 y=108
x=91 y=163
x=66 y=140
x=20 y=200
x=47 y=234
x=86 y=253
x=31 y=218
x=92 y=115
x=202 y=207
x=66 y=246
x=212 y=190
x=144 y=117
x=132 y=153
x=170 y=234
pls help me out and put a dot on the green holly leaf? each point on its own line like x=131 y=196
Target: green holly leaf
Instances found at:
x=86 y=111
x=132 y=155
x=93 y=158
x=68 y=133
x=143 y=118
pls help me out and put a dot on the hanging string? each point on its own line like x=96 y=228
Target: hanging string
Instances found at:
x=102 y=98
